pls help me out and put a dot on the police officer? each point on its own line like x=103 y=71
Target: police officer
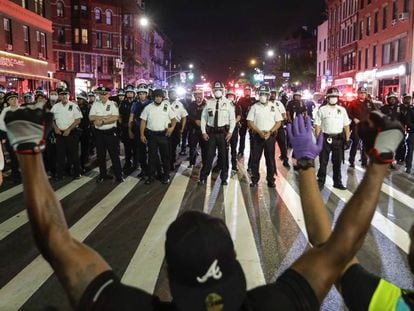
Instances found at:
x=67 y=117
x=41 y=97
x=264 y=120
x=158 y=121
x=284 y=99
x=3 y=92
x=91 y=98
x=231 y=96
x=85 y=129
x=245 y=103
x=130 y=145
x=53 y=98
x=217 y=126
x=105 y=114
x=281 y=133
x=295 y=107
x=135 y=122
x=27 y=99
x=120 y=96
x=409 y=125
x=358 y=110
x=11 y=102
x=194 y=127
x=332 y=120
x=181 y=117
x=185 y=136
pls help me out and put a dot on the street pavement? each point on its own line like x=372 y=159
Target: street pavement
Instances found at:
x=126 y=224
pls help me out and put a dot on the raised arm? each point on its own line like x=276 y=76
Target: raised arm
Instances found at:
x=75 y=264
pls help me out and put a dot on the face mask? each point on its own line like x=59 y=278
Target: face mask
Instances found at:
x=263 y=99
x=97 y=97
x=53 y=97
x=218 y=94
x=333 y=100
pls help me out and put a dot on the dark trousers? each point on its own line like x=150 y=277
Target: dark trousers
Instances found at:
x=242 y=134
x=357 y=144
x=401 y=152
x=50 y=154
x=281 y=141
x=67 y=145
x=85 y=142
x=249 y=164
x=336 y=147
x=268 y=146
x=233 y=147
x=175 y=141
x=130 y=148
x=15 y=173
x=410 y=149
x=158 y=142
x=185 y=137
x=108 y=140
x=141 y=150
x=216 y=141
x=196 y=138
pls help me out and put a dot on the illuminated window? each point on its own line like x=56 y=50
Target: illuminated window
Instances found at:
x=26 y=39
x=60 y=9
x=99 y=39
x=98 y=15
x=108 y=15
x=84 y=36
x=7 y=31
x=76 y=35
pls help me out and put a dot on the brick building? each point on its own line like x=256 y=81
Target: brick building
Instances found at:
x=26 y=57
x=323 y=77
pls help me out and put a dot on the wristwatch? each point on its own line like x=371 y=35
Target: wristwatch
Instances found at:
x=304 y=163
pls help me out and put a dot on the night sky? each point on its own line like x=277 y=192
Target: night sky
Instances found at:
x=218 y=34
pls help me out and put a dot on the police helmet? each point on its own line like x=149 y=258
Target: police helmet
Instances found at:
x=142 y=88
x=82 y=95
x=218 y=85
x=121 y=92
x=362 y=90
x=105 y=90
x=40 y=92
x=230 y=92
x=90 y=94
x=62 y=90
x=247 y=88
x=264 y=90
x=27 y=94
x=273 y=91
x=332 y=92
x=3 y=89
x=158 y=93
x=392 y=95
x=10 y=94
x=405 y=95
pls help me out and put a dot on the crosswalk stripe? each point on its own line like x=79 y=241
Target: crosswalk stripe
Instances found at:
x=206 y=207
x=15 y=222
x=394 y=193
x=238 y=223
x=145 y=265
x=5 y=195
x=393 y=232
x=18 y=290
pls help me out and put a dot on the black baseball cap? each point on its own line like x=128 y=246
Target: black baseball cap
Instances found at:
x=202 y=266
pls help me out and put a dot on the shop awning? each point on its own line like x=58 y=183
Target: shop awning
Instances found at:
x=10 y=73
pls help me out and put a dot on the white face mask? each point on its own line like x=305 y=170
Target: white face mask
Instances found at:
x=333 y=100
x=263 y=99
x=218 y=93
x=53 y=97
x=97 y=97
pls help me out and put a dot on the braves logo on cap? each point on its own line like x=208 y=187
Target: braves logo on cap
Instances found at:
x=212 y=272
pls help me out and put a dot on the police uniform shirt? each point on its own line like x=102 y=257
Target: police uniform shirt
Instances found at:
x=158 y=117
x=101 y=109
x=226 y=114
x=332 y=119
x=264 y=116
x=65 y=115
x=280 y=106
x=3 y=115
x=179 y=110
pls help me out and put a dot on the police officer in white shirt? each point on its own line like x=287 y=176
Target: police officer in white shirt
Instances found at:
x=158 y=121
x=333 y=121
x=105 y=114
x=181 y=117
x=281 y=133
x=264 y=119
x=67 y=117
x=217 y=125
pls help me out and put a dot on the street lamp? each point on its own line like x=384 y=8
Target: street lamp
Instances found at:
x=144 y=22
x=270 y=53
x=242 y=74
x=253 y=62
x=191 y=66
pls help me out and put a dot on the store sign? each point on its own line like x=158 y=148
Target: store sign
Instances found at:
x=344 y=81
x=368 y=76
x=269 y=77
x=286 y=75
x=392 y=72
x=258 y=77
x=11 y=62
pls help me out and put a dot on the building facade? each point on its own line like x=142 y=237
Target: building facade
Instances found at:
x=26 y=56
x=323 y=76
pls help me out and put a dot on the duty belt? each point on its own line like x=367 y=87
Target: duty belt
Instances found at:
x=217 y=130
x=333 y=136
x=157 y=133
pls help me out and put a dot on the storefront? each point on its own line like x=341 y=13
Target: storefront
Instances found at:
x=392 y=79
x=344 y=85
x=24 y=74
x=367 y=80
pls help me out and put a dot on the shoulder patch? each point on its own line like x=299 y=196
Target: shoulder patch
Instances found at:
x=165 y=107
x=108 y=107
x=70 y=107
x=272 y=109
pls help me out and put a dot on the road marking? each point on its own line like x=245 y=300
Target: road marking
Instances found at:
x=18 y=290
x=237 y=220
x=393 y=232
x=15 y=222
x=5 y=195
x=144 y=267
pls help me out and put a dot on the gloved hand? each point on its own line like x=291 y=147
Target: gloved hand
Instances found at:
x=302 y=139
x=381 y=136
x=27 y=128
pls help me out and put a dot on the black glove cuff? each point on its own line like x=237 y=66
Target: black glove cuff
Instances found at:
x=304 y=163
x=29 y=148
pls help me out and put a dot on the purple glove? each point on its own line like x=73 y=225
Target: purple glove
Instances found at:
x=302 y=139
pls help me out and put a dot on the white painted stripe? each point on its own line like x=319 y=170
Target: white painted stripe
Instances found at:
x=5 y=195
x=237 y=220
x=393 y=232
x=16 y=292
x=394 y=193
x=207 y=195
x=145 y=265
x=13 y=223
